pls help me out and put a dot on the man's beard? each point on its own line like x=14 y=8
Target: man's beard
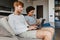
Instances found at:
x=19 y=11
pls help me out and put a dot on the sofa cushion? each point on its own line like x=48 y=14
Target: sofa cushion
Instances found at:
x=29 y=39
x=4 y=32
x=4 y=23
x=8 y=38
x=14 y=38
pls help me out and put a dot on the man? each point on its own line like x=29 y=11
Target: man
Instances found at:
x=19 y=25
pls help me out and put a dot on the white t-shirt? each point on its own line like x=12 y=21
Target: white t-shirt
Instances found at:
x=18 y=23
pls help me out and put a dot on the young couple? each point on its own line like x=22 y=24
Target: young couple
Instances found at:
x=26 y=26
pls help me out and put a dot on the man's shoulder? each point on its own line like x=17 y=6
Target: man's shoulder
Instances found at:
x=22 y=15
x=10 y=15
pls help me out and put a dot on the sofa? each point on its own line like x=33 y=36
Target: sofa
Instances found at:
x=7 y=33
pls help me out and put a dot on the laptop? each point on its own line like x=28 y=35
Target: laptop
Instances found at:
x=41 y=25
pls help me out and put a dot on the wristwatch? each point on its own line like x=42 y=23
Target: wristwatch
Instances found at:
x=27 y=26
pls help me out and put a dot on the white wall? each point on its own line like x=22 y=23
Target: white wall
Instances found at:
x=51 y=10
x=45 y=8
x=26 y=4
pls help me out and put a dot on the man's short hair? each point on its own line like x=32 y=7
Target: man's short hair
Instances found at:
x=17 y=3
x=28 y=9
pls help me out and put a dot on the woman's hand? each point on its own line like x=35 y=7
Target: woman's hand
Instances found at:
x=32 y=28
x=38 y=21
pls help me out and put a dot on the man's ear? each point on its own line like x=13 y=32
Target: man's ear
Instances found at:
x=16 y=8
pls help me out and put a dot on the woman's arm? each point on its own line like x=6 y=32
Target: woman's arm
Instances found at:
x=37 y=21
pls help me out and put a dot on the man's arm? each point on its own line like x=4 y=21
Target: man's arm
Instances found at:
x=11 y=22
x=32 y=28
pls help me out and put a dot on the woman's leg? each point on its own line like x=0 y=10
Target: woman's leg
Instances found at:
x=46 y=35
x=50 y=29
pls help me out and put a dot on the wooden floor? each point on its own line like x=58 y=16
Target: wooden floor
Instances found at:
x=57 y=34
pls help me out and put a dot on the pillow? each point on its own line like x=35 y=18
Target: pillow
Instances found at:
x=4 y=32
x=4 y=23
x=46 y=25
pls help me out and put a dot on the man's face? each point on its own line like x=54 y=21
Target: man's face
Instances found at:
x=19 y=8
x=31 y=13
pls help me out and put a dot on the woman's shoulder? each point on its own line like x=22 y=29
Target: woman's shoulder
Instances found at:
x=26 y=17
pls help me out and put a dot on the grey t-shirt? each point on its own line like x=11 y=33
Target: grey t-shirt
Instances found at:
x=31 y=20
